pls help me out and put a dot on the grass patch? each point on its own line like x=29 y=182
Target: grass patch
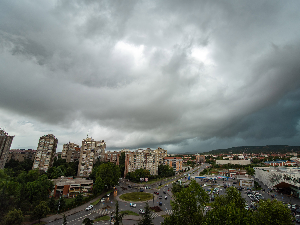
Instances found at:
x=136 y=196
x=128 y=212
x=102 y=218
x=165 y=216
x=96 y=202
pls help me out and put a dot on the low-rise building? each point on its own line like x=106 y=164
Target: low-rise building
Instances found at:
x=245 y=181
x=69 y=187
x=237 y=162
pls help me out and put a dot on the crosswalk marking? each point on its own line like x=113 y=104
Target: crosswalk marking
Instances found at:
x=169 y=212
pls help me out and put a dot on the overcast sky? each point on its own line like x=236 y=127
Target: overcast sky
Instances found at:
x=187 y=76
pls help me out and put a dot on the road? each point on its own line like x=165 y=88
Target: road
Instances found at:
x=109 y=204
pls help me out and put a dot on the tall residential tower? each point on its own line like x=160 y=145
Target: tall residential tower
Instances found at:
x=5 y=143
x=45 y=152
x=89 y=153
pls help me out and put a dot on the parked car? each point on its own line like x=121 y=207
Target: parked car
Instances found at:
x=129 y=186
x=160 y=197
x=108 y=194
x=166 y=197
x=141 y=190
x=160 y=203
x=164 y=192
x=132 y=205
x=89 y=207
x=141 y=211
x=102 y=199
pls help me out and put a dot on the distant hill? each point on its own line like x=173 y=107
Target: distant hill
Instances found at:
x=257 y=149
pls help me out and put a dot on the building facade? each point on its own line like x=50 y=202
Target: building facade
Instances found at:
x=112 y=157
x=45 y=152
x=70 y=152
x=69 y=187
x=21 y=154
x=200 y=158
x=174 y=162
x=5 y=143
x=144 y=159
x=90 y=151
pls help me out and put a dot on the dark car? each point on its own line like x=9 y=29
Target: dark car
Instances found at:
x=141 y=190
x=160 y=197
x=160 y=203
x=164 y=192
x=129 y=186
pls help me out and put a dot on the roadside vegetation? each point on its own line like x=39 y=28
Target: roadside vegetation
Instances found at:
x=190 y=202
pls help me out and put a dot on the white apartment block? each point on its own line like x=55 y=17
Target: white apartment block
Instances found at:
x=70 y=152
x=45 y=152
x=89 y=152
x=144 y=159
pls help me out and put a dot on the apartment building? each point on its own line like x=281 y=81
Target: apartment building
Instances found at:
x=70 y=152
x=112 y=157
x=174 y=162
x=21 y=154
x=200 y=158
x=45 y=152
x=144 y=159
x=5 y=143
x=90 y=151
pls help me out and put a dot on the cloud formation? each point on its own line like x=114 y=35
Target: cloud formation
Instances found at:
x=186 y=76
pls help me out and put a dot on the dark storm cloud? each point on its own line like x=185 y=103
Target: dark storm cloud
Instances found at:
x=187 y=75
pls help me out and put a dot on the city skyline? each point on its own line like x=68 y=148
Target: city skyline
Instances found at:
x=184 y=76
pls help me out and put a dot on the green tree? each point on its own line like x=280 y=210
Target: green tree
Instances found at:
x=52 y=204
x=165 y=171
x=250 y=171
x=14 y=217
x=62 y=203
x=109 y=173
x=64 y=220
x=188 y=205
x=40 y=211
x=272 y=212
x=37 y=190
x=146 y=217
x=88 y=221
x=122 y=163
x=229 y=209
x=176 y=187
x=119 y=216
x=98 y=187
x=78 y=199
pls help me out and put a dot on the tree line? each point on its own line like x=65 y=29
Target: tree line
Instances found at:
x=189 y=207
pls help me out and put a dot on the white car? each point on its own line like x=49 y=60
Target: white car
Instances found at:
x=166 y=197
x=102 y=199
x=132 y=205
x=89 y=207
x=141 y=211
x=108 y=195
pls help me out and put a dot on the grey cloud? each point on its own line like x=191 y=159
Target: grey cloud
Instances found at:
x=131 y=69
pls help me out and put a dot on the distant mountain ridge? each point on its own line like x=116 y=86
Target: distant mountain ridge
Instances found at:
x=257 y=149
